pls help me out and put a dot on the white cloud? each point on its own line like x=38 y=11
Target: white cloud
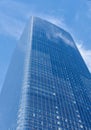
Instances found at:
x=86 y=54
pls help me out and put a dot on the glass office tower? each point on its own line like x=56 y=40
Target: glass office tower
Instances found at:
x=48 y=86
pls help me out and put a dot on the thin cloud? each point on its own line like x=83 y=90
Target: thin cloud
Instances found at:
x=14 y=8
x=86 y=54
x=10 y=26
x=57 y=21
x=88 y=8
x=13 y=17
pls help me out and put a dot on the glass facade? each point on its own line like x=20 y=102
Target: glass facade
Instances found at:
x=55 y=84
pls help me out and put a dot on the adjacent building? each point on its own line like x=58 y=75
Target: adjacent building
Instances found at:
x=48 y=85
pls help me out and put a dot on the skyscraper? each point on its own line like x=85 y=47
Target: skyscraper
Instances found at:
x=48 y=86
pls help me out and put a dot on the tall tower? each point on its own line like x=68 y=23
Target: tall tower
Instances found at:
x=48 y=86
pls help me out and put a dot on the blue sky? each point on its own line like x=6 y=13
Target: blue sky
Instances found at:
x=72 y=15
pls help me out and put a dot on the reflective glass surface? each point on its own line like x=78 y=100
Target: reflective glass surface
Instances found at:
x=56 y=84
